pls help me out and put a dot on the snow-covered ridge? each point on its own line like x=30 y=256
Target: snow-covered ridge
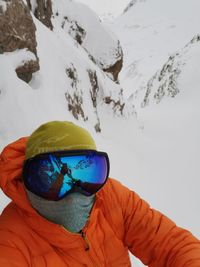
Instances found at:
x=165 y=81
x=80 y=22
x=150 y=32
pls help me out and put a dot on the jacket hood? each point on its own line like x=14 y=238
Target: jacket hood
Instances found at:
x=11 y=164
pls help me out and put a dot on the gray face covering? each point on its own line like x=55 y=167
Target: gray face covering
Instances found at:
x=72 y=211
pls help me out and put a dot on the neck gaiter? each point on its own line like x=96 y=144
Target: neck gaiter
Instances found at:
x=72 y=211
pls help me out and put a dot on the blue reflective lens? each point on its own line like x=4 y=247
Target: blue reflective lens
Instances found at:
x=53 y=175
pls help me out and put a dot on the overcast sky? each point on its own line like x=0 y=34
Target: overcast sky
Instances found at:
x=102 y=7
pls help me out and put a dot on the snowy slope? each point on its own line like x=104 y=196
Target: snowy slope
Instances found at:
x=67 y=79
x=77 y=20
x=150 y=31
x=166 y=82
x=106 y=9
x=158 y=155
x=161 y=76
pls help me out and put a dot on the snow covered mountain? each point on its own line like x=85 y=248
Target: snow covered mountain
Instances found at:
x=160 y=75
x=75 y=69
x=150 y=32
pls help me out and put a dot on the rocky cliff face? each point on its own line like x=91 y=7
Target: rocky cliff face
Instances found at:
x=165 y=81
x=152 y=56
x=86 y=29
x=17 y=31
x=115 y=69
x=42 y=9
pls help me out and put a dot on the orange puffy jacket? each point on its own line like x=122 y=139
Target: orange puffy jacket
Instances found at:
x=119 y=222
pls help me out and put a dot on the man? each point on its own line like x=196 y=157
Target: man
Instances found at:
x=65 y=211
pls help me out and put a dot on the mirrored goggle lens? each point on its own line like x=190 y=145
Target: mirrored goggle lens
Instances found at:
x=52 y=176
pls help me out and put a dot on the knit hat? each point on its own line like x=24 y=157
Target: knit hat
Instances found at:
x=56 y=136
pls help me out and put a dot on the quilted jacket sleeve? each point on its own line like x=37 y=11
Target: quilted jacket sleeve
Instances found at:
x=154 y=238
x=13 y=251
x=11 y=257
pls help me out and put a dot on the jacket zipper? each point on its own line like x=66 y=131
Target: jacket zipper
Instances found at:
x=87 y=244
x=87 y=247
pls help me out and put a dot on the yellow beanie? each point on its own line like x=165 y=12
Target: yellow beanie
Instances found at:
x=56 y=136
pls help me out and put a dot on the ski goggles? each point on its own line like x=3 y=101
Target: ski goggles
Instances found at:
x=53 y=175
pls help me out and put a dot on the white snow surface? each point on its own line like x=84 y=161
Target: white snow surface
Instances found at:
x=155 y=153
x=33 y=5
x=105 y=9
x=3 y=5
x=149 y=32
x=166 y=148
x=43 y=99
x=98 y=41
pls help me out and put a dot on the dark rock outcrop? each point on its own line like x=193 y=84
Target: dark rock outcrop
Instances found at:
x=116 y=105
x=25 y=72
x=42 y=11
x=131 y=4
x=164 y=82
x=75 y=98
x=115 y=69
x=94 y=94
x=75 y=30
x=17 y=31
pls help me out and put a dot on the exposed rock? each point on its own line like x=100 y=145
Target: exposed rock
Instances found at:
x=194 y=40
x=164 y=82
x=72 y=74
x=75 y=99
x=42 y=11
x=117 y=105
x=24 y=73
x=75 y=30
x=94 y=94
x=115 y=69
x=95 y=87
x=17 y=31
x=132 y=3
x=75 y=102
x=29 y=4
